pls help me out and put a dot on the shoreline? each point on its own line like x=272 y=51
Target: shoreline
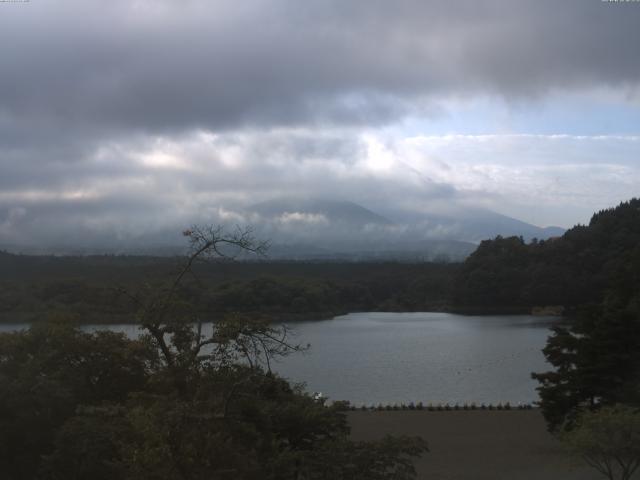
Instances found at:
x=83 y=318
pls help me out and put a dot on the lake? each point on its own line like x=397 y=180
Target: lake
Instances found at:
x=371 y=358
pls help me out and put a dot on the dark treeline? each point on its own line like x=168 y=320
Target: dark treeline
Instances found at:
x=99 y=405
x=90 y=286
x=595 y=357
x=177 y=403
x=502 y=275
x=593 y=272
x=571 y=270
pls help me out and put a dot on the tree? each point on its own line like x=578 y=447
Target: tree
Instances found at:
x=47 y=372
x=596 y=362
x=608 y=440
x=178 y=403
x=596 y=357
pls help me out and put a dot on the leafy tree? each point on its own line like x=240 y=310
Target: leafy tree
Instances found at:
x=596 y=357
x=608 y=440
x=575 y=269
x=50 y=370
x=178 y=403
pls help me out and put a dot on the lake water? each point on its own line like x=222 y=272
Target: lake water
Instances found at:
x=371 y=358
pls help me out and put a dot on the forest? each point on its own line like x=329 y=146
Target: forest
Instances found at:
x=91 y=287
x=177 y=403
x=503 y=275
x=180 y=402
x=571 y=270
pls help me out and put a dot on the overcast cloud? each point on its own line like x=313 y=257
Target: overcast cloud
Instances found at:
x=124 y=117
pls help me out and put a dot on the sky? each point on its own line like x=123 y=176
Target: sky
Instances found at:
x=126 y=117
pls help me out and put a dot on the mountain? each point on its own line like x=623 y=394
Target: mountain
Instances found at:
x=481 y=224
x=334 y=211
x=320 y=228
x=471 y=224
x=325 y=229
x=458 y=223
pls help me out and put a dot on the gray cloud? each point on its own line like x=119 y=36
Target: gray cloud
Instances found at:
x=158 y=65
x=123 y=117
x=158 y=185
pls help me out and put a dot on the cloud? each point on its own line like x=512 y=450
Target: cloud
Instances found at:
x=217 y=177
x=303 y=218
x=126 y=117
x=160 y=65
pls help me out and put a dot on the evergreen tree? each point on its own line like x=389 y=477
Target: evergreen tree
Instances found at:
x=597 y=357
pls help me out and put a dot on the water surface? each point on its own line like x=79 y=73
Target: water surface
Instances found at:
x=429 y=357
x=370 y=358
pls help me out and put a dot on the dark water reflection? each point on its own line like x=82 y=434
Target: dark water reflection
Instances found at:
x=404 y=357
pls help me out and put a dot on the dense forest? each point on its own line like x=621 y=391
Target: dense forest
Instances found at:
x=178 y=403
x=502 y=275
x=91 y=287
x=99 y=405
x=570 y=271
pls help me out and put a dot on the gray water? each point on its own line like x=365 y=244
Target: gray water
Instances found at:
x=371 y=358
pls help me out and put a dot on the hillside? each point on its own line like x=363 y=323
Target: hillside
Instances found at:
x=320 y=229
x=571 y=270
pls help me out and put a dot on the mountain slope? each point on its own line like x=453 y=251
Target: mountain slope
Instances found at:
x=330 y=228
x=333 y=210
x=571 y=270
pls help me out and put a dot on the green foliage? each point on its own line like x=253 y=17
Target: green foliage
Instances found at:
x=179 y=403
x=596 y=358
x=50 y=370
x=572 y=270
x=608 y=440
x=86 y=446
x=32 y=287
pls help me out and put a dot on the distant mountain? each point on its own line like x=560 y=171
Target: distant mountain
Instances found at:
x=320 y=228
x=329 y=229
x=331 y=210
x=481 y=224
x=471 y=224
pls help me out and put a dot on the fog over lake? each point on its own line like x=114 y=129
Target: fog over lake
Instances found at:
x=376 y=357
